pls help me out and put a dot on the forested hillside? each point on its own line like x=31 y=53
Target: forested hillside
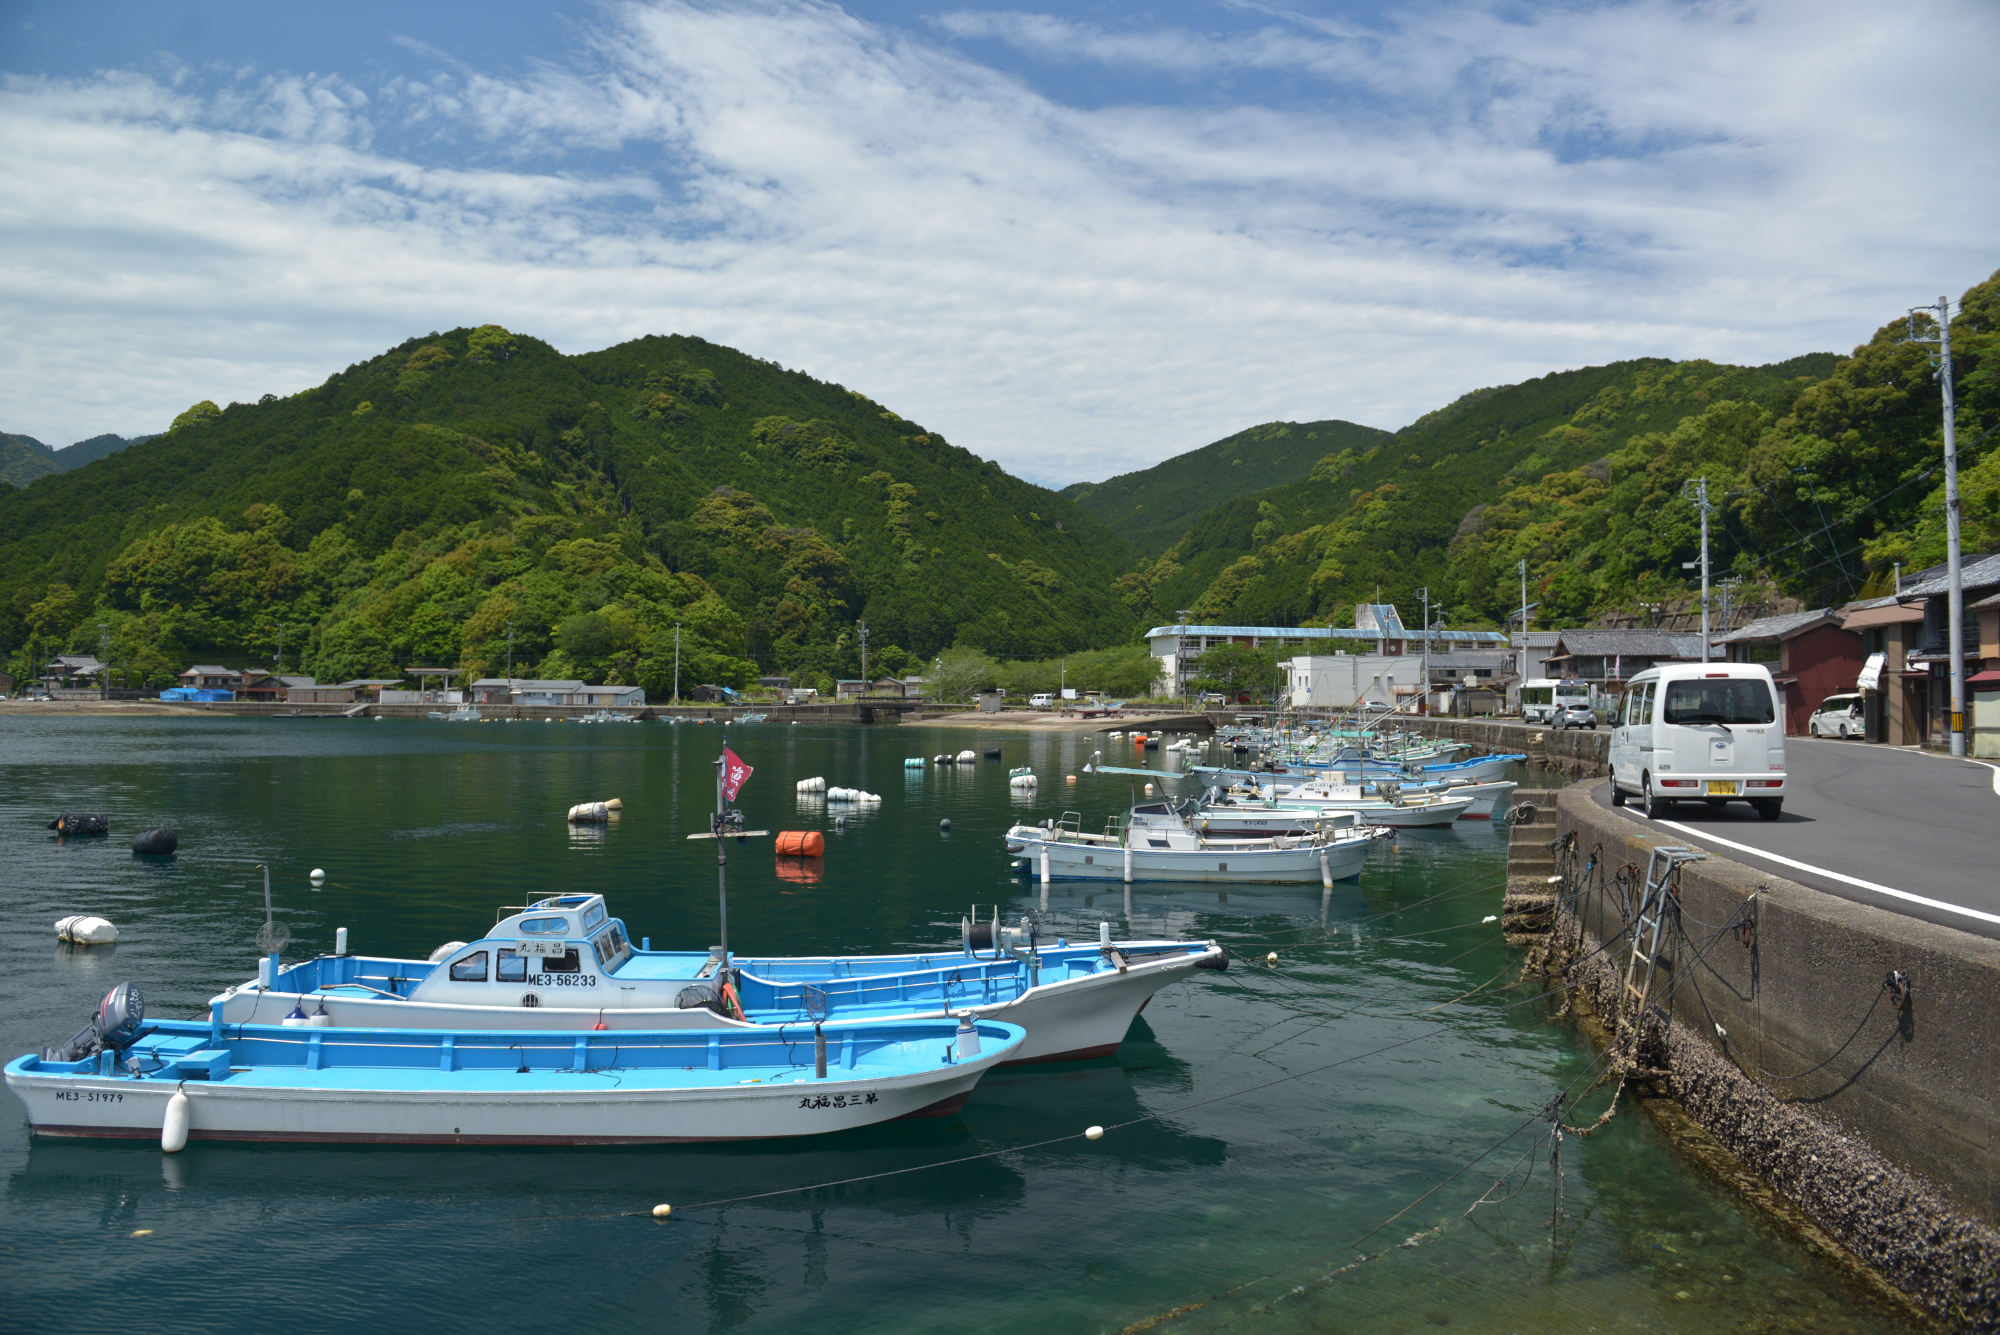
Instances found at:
x=1155 y=506
x=415 y=506
x=1822 y=470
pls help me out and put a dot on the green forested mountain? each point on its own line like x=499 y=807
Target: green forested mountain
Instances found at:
x=1822 y=470
x=1155 y=506
x=1394 y=515
x=415 y=505
x=23 y=458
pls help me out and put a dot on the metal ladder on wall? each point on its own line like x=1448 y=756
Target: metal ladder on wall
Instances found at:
x=1648 y=926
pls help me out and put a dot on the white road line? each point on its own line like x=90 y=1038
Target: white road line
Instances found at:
x=1706 y=837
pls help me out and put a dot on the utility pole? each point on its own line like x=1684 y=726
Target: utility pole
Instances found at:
x=1697 y=488
x=862 y=626
x=510 y=662
x=677 y=662
x=1954 y=576
x=104 y=661
x=1425 y=593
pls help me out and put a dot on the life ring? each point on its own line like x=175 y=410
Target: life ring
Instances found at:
x=730 y=1001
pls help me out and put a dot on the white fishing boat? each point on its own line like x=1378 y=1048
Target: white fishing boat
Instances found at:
x=606 y=716
x=566 y=964
x=1157 y=843
x=1387 y=807
x=1486 y=797
x=181 y=1080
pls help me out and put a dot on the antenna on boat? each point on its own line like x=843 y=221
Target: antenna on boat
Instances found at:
x=727 y=823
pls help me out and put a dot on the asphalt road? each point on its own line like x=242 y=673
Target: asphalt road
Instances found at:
x=1914 y=833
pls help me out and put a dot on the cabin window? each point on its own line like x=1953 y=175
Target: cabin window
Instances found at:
x=593 y=916
x=513 y=967
x=612 y=948
x=563 y=963
x=470 y=969
x=545 y=926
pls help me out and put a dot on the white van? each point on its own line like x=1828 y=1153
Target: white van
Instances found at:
x=1838 y=716
x=1700 y=732
x=1042 y=702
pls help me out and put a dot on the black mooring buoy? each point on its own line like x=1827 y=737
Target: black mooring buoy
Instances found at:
x=156 y=843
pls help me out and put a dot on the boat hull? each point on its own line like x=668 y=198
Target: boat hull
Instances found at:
x=379 y=1090
x=1207 y=866
x=1081 y=1015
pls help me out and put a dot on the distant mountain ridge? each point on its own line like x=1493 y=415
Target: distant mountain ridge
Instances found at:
x=1155 y=506
x=23 y=458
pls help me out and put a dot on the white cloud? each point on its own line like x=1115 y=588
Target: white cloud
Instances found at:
x=1452 y=199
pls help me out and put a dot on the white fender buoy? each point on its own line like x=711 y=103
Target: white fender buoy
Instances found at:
x=1093 y=1133
x=317 y=876
x=449 y=946
x=662 y=1211
x=614 y=805
x=589 y=812
x=174 y=1129
x=84 y=930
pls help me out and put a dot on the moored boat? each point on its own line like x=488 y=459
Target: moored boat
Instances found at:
x=532 y=1087
x=566 y=964
x=1158 y=842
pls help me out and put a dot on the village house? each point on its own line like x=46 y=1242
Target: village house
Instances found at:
x=1810 y=656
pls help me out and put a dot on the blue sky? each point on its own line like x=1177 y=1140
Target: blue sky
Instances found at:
x=1076 y=239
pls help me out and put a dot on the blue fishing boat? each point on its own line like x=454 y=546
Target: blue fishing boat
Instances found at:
x=565 y=963
x=126 y=1077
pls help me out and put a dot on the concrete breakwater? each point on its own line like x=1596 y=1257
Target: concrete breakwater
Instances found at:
x=1844 y=1054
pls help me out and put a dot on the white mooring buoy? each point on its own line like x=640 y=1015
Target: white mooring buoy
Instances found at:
x=318 y=875
x=1271 y=958
x=662 y=1211
x=82 y=929
x=1093 y=1133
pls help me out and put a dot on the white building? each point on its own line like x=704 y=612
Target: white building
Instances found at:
x=1377 y=630
x=1337 y=680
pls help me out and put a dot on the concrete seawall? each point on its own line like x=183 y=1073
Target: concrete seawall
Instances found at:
x=1583 y=753
x=1875 y=1114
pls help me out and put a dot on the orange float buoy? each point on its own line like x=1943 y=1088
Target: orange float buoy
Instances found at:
x=801 y=844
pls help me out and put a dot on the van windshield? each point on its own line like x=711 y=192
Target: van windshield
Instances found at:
x=1719 y=700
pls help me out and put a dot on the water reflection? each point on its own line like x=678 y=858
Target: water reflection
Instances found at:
x=1233 y=1154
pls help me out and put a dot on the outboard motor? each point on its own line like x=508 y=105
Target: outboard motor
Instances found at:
x=115 y=1026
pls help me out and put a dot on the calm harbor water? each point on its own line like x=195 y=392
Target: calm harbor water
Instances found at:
x=1279 y=1126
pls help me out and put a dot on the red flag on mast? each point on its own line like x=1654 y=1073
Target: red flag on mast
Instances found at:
x=734 y=774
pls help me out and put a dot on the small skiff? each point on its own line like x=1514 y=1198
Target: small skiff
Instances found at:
x=496 y=1087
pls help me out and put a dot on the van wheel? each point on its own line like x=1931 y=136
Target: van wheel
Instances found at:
x=1656 y=806
x=1812 y=728
x=1770 y=808
x=1617 y=793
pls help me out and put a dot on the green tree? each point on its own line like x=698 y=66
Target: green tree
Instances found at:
x=199 y=414
x=960 y=672
x=1232 y=667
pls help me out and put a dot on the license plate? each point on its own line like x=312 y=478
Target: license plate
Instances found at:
x=1722 y=788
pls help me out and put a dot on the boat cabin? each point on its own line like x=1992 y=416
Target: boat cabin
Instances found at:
x=569 y=945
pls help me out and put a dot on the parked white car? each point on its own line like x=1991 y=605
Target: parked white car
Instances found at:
x=1700 y=732
x=1838 y=716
